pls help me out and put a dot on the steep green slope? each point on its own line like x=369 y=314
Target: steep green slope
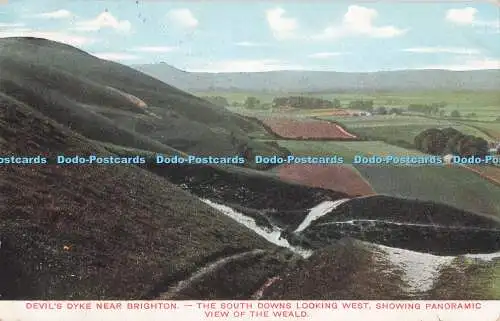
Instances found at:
x=72 y=87
x=98 y=232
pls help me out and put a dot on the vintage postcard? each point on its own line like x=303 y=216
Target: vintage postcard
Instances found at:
x=249 y=160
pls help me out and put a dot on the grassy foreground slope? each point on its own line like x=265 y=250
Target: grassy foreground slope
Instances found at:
x=97 y=232
x=328 y=274
x=126 y=107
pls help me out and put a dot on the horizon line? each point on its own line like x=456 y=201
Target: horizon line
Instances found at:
x=307 y=70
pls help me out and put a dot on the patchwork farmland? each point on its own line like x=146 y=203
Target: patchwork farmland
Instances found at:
x=338 y=132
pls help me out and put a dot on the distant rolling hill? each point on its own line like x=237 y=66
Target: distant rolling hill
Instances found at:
x=313 y=81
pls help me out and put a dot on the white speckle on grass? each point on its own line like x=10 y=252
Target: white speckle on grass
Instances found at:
x=421 y=270
x=484 y=257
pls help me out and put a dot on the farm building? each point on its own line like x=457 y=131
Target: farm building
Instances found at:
x=362 y=113
x=495 y=148
x=448 y=158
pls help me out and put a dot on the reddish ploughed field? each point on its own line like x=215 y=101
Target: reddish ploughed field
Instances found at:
x=339 y=178
x=289 y=128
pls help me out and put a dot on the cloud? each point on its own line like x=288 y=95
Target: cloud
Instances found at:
x=470 y=64
x=58 y=14
x=281 y=27
x=157 y=49
x=103 y=21
x=183 y=18
x=245 y=66
x=449 y=50
x=63 y=37
x=325 y=55
x=359 y=21
x=465 y=16
x=249 y=44
x=468 y=17
x=6 y=25
x=118 y=56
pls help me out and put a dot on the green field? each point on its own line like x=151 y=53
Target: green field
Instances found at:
x=394 y=129
x=345 y=149
x=383 y=120
x=398 y=130
x=453 y=98
x=455 y=186
x=492 y=128
x=486 y=104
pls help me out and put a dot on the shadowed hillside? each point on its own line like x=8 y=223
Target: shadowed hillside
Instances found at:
x=99 y=231
x=76 y=89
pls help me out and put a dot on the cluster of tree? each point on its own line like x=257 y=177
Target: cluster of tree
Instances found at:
x=251 y=103
x=385 y=111
x=450 y=141
x=217 y=100
x=366 y=105
x=396 y=111
x=305 y=102
x=430 y=109
x=381 y=110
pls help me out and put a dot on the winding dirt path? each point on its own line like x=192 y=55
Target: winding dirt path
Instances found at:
x=206 y=270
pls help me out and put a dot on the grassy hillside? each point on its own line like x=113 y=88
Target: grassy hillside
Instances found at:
x=121 y=232
x=97 y=232
x=73 y=87
x=329 y=274
x=468 y=279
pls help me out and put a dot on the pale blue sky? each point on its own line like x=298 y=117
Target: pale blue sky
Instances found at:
x=268 y=35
